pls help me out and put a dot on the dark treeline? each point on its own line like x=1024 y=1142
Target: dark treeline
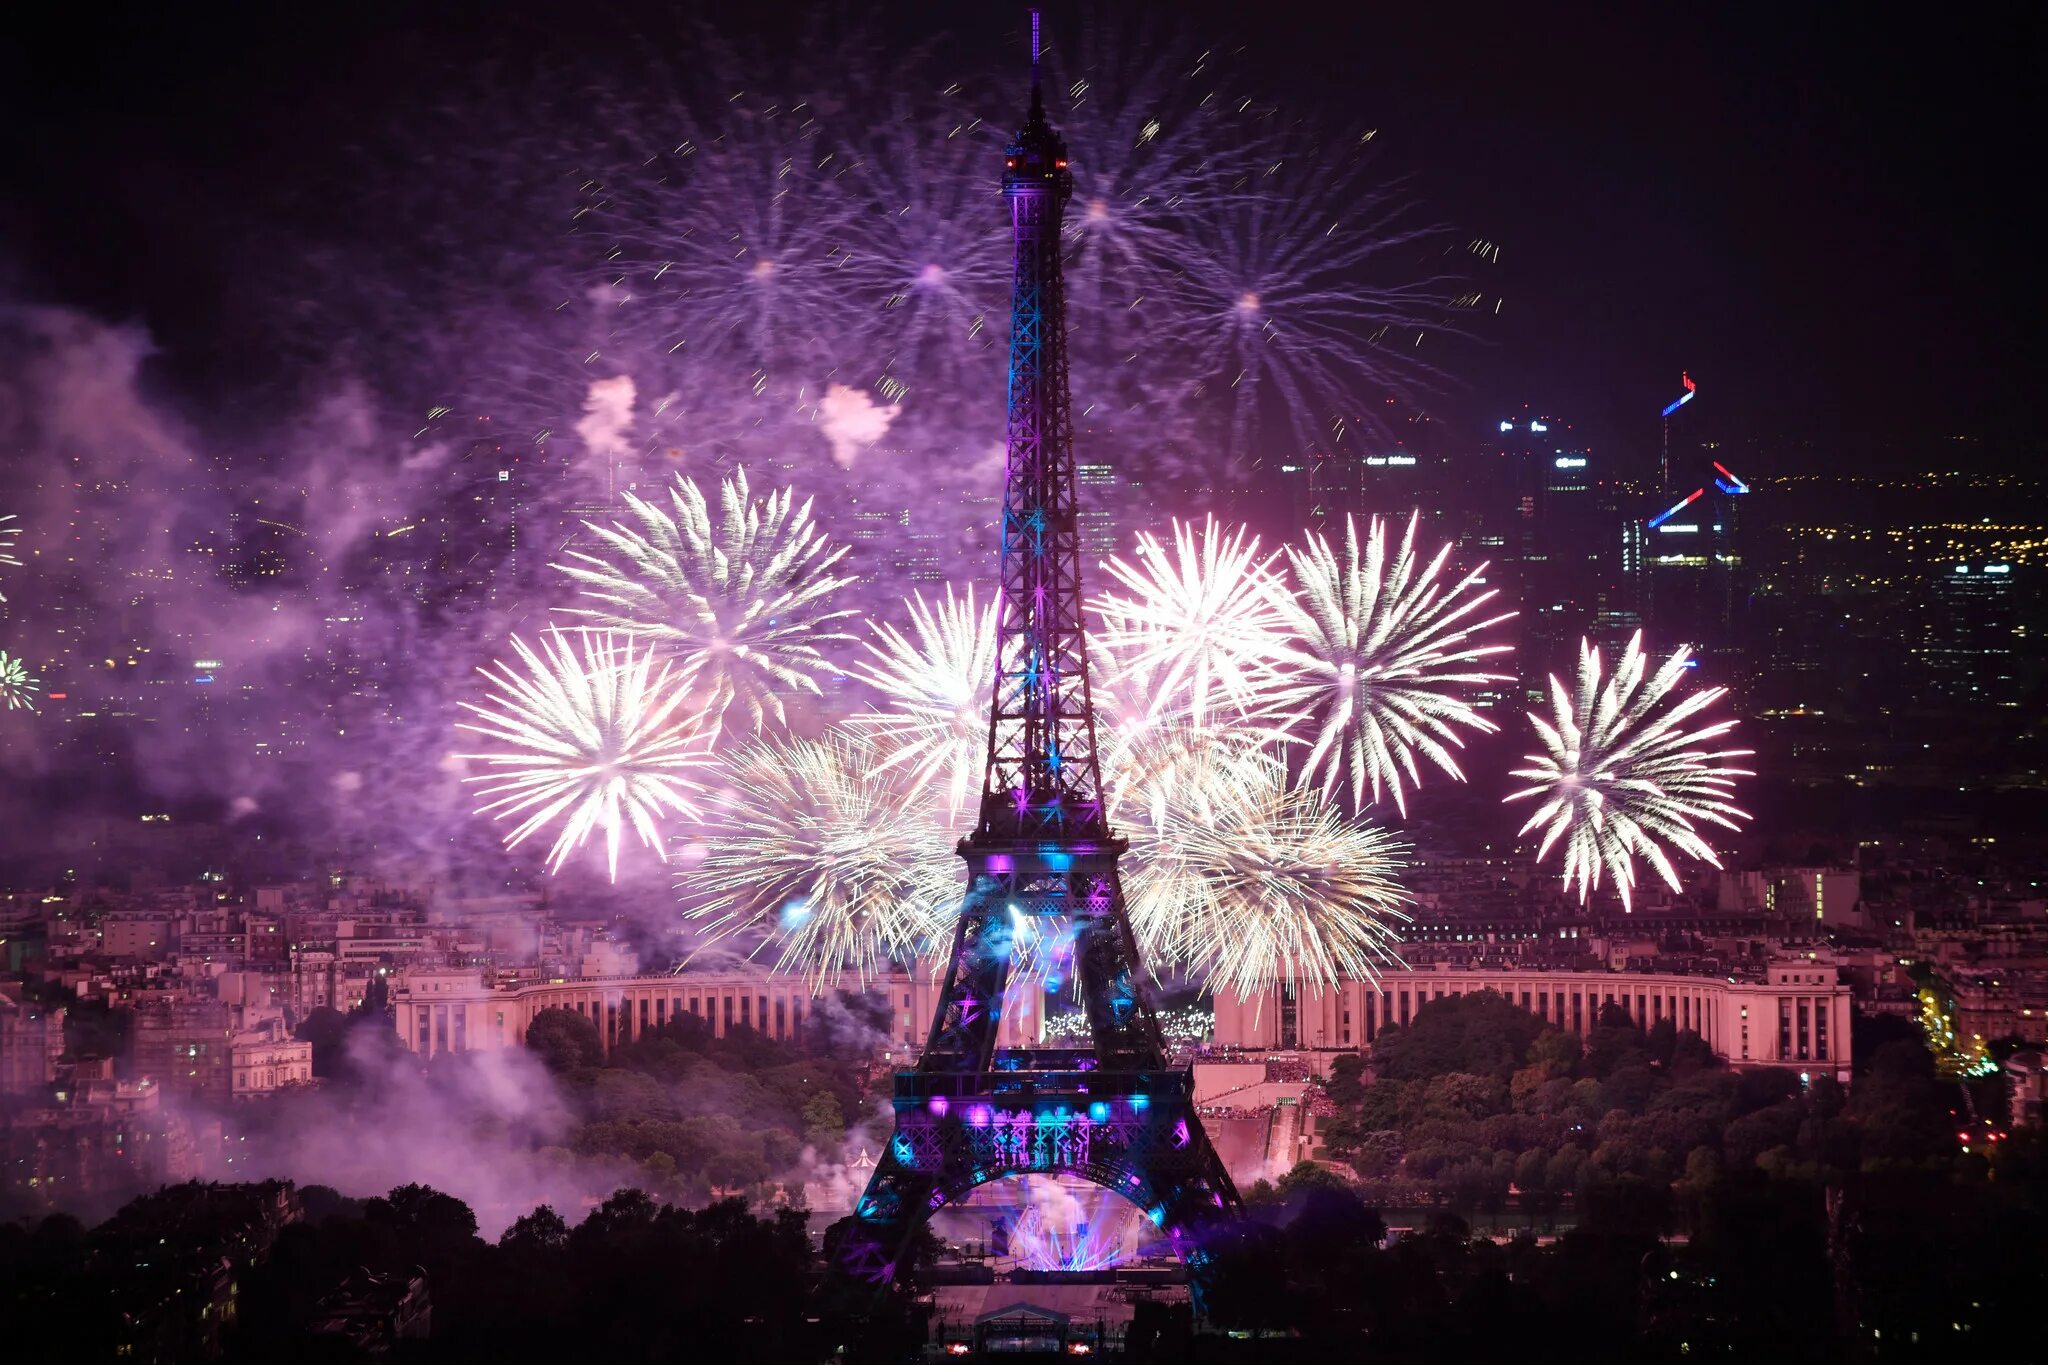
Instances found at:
x=1711 y=1214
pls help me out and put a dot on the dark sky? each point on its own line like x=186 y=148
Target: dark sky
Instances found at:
x=1825 y=213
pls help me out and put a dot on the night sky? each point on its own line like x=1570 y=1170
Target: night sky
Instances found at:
x=1823 y=214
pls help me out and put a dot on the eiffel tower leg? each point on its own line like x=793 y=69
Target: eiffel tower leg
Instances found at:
x=1125 y=1031
x=964 y=1032
x=895 y=1206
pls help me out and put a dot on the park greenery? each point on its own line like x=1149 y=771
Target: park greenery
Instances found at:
x=1479 y=1106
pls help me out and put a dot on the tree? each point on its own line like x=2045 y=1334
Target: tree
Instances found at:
x=1346 y=1084
x=824 y=1122
x=1462 y=1095
x=1556 y=1052
x=564 y=1040
x=326 y=1028
x=1689 y=1052
x=1480 y=1033
x=542 y=1232
x=1662 y=1040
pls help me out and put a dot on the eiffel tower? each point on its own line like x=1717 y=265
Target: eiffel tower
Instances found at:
x=1114 y=1113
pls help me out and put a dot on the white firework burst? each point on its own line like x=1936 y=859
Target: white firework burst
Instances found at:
x=1621 y=777
x=1154 y=760
x=593 y=735
x=937 y=682
x=1383 y=652
x=1271 y=886
x=1202 y=624
x=741 y=600
x=18 y=687
x=825 y=856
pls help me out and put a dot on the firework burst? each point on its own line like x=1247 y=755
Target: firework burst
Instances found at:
x=936 y=681
x=1155 y=760
x=1620 y=776
x=1201 y=624
x=935 y=269
x=824 y=856
x=592 y=737
x=741 y=601
x=1382 y=650
x=733 y=240
x=1314 y=294
x=1271 y=886
x=10 y=531
x=1157 y=144
x=18 y=687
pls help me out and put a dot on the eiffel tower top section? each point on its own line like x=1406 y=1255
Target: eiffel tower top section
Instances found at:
x=1043 y=784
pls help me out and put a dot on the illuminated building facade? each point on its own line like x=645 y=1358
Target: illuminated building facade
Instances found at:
x=1970 y=639
x=456 y=1011
x=1562 y=556
x=1797 y=1017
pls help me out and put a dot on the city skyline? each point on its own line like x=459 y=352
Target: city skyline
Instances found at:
x=1485 y=790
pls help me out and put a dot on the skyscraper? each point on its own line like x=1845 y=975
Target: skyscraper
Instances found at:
x=1695 y=586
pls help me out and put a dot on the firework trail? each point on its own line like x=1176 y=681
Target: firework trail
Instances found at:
x=936 y=681
x=10 y=531
x=734 y=240
x=776 y=242
x=934 y=270
x=1620 y=776
x=1314 y=292
x=18 y=687
x=593 y=737
x=827 y=857
x=1382 y=647
x=1271 y=886
x=1202 y=624
x=742 y=601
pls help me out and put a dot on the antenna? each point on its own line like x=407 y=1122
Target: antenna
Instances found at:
x=1037 y=103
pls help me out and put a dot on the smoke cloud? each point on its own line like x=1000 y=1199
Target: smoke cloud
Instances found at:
x=852 y=422
x=485 y=1129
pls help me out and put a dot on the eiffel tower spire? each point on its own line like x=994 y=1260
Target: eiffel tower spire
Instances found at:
x=1042 y=853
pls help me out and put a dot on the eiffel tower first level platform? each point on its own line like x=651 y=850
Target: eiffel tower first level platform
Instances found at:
x=1042 y=1113
x=1043 y=908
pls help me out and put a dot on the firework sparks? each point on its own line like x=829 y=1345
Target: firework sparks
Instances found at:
x=1269 y=887
x=1382 y=649
x=936 y=681
x=1617 y=779
x=1202 y=624
x=18 y=687
x=1177 y=766
x=592 y=738
x=732 y=241
x=9 y=532
x=825 y=856
x=741 y=601
x=1314 y=292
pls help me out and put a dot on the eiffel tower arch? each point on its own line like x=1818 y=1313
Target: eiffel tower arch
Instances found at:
x=1042 y=851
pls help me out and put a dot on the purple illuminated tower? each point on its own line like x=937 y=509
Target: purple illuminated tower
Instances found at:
x=1042 y=854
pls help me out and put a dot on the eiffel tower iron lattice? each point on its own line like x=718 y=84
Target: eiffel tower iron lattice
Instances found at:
x=1114 y=1113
